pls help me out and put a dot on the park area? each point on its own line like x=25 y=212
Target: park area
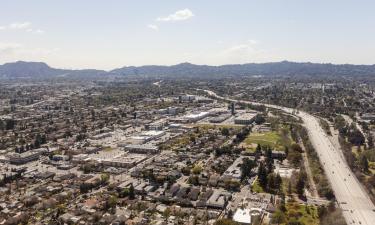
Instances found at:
x=272 y=139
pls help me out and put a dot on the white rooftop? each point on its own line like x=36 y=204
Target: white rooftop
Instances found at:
x=242 y=216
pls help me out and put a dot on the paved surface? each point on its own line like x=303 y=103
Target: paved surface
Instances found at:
x=351 y=196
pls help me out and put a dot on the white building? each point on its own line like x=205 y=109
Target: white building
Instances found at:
x=247 y=216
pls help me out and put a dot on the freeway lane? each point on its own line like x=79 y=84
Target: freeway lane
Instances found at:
x=351 y=196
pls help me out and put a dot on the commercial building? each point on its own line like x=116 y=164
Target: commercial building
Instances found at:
x=158 y=125
x=368 y=116
x=142 y=138
x=142 y=149
x=245 y=119
x=101 y=136
x=25 y=157
x=218 y=199
x=124 y=161
x=191 y=117
x=186 y=98
x=234 y=170
x=248 y=216
x=220 y=118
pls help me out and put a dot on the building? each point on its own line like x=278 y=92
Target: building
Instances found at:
x=25 y=157
x=248 y=216
x=220 y=118
x=186 y=98
x=101 y=136
x=142 y=149
x=218 y=199
x=144 y=137
x=158 y=125
x=245 y=119
x=191 y=117
x=368 y=116
x=234 y=170
x=170 y=110
x=124 y=161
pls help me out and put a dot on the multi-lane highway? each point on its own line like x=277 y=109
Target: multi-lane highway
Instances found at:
x=351 y=196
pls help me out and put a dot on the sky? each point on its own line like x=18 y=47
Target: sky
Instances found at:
x=110 y=34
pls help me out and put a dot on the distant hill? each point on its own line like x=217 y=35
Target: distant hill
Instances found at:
x=23 y=69
x=266 y=69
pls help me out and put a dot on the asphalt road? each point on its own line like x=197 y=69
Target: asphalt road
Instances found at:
x=351 y=196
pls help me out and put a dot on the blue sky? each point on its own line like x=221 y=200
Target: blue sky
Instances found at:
x=113 y=33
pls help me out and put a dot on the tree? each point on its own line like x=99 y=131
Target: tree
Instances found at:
x=225 y=222
x=131 y=192
x=278 y=182
x=271 y=181
x=269 y=159
x=289 y=188
x=258 y=148
x=10 y=124
x=225 y=131
x=246 y=167
x=112 y=202
x=363 y=163
x=104 y=178
x=259 y=119
x=294 y=221
x=262 y=175
x=356 y=137
x=278 y=217
x=370 y=141
x=300 y=185
x=197 y=169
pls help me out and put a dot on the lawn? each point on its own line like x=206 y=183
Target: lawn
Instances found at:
x=107 y=149
x=372 y=167
x=272 y=139
x=256 y=187
x=308 y=215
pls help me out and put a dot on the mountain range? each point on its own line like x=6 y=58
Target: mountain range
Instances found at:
x=21 y=69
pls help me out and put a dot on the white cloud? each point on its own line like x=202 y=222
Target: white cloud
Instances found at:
x=248 y=46
x=24 y=26
x=20 y=26
x=179 y=15
x=253 y=42
x=16 y=51
x=39 y=31
x=35 y=31
x=243 y=52
x=153 y=27
x=7 y=48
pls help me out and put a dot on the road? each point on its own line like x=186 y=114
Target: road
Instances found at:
x=351 y=196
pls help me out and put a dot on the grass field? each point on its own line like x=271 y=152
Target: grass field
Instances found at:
x=257 y=188
x=107 y=149
x=272 y=139
x=308 y=215
x=372 y=167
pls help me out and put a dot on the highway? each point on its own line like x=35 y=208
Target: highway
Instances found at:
x=351 y=196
